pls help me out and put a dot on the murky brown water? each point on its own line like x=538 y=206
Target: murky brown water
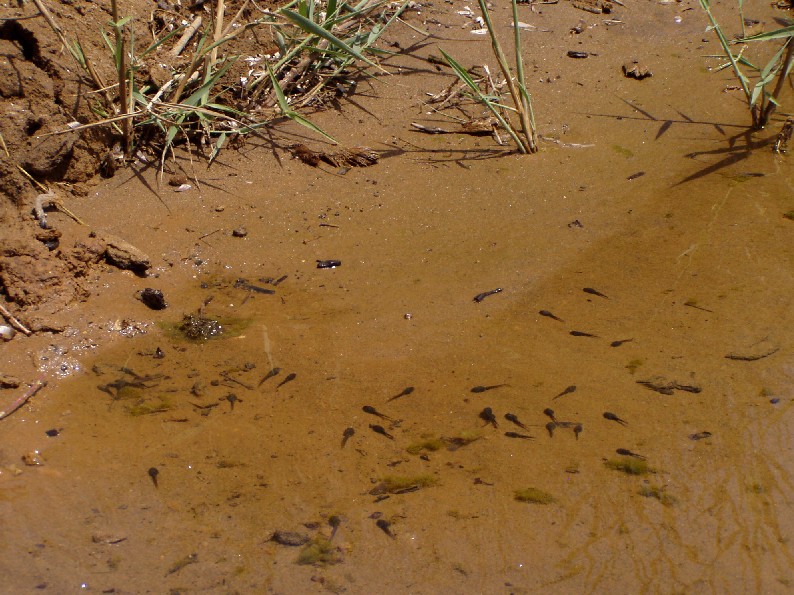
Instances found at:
x=694 y=267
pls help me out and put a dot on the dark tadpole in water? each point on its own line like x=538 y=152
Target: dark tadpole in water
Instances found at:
x=512 y=417
x=619 y=343
x=334 y=521
x=288 y=378
x=577 y=429
x=550 y=427
x=385 y=526
x=232 y=398
x=347 y=435
x=582 y=334
x=405 y=392
x=517 y=435
x=488 y=417
x=481 y=296
x=269 y=375
x=548 y=412
x=700 y=435
x=612 y=417
x=567 y=391
x=548 y=314
x=372 y=411
x=380 y=430
x=482 y=389
x=627 y=453
x=153 y=473
x=592 y=291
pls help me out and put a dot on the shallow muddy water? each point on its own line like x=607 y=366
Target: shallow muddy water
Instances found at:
x=176 y=461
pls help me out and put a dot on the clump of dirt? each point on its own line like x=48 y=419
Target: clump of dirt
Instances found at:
x=39 y=96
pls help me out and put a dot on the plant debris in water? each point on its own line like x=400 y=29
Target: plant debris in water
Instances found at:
x=463 y=439
x=629 y=465
x=533 y=496
x=398 y=484
x=354 y=157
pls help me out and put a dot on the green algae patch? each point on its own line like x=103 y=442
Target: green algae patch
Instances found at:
x=319 y=552
x=149 y=406
x=427 y=443
x=633 y=365
x=658 y=493
x=533 y=496
x=629 y=466
x=622 y=151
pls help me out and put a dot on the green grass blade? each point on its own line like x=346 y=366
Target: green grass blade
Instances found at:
x=776 y=34
x=466 y=78
x=292 y=114
x=315 y=29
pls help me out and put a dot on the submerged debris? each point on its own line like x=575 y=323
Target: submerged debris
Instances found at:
x=353 y=157
x=662 y=385
x=289 y=538
x=200 y=327
x=634 y=70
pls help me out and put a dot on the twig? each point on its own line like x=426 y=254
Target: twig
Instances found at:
x=32 y=179
x=50 y=21
x=190 y=31
x=35 y=387
x=15 y=321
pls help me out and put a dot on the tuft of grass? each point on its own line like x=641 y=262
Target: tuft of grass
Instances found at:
x=202 y=103
x=319 y=552
x=526 y=136
x=763 y=86
x=629 y=465
x=533 y=496
x=659 y=493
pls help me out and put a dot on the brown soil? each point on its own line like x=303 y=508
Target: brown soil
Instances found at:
x=650 y=189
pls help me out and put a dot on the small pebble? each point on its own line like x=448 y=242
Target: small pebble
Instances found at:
x=153 y=298
x=240 y=232
x=33 y=458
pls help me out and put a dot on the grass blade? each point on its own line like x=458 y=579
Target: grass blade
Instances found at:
x=292 y=114
x=315 y=29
